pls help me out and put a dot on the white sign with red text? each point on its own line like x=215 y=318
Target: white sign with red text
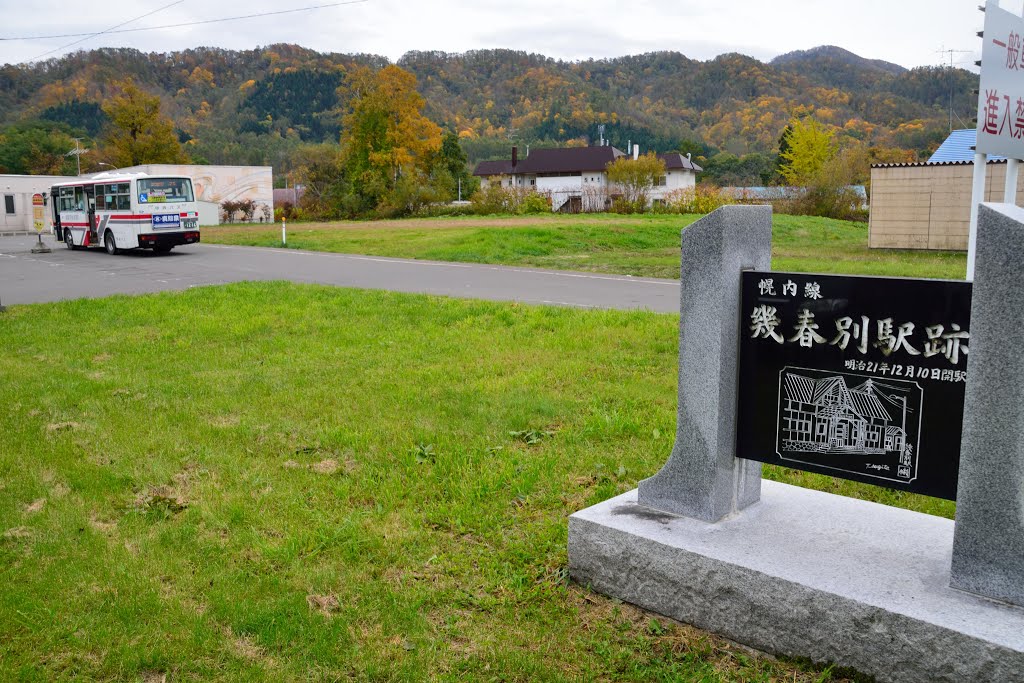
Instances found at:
x=1001 y=91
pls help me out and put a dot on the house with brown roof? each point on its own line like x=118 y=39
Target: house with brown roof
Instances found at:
x=575 y=177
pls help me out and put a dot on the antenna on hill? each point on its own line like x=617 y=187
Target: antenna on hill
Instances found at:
x=951 y=53
x=77 y=152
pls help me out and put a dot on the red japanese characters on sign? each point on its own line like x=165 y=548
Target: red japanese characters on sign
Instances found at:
x=1001 y=93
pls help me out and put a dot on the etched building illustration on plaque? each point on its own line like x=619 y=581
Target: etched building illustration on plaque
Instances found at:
x=838 y=419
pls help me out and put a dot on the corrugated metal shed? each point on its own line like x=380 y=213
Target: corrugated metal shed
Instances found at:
x=959 y=146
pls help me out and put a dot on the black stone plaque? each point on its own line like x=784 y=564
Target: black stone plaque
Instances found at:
x=857 y=377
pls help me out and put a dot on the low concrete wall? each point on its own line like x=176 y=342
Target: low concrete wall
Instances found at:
x=928 y=206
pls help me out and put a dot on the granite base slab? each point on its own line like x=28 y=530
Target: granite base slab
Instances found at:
x=810 y=574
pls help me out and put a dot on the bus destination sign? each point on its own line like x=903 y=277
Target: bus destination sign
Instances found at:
x=165 y=221
x=856 y=377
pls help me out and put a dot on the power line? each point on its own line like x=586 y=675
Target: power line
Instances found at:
x=109 y=30
x=183 y=24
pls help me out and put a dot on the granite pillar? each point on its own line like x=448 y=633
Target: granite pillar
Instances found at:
x=703 y=479
x=988 y=547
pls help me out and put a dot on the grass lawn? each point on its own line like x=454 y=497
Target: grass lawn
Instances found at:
x=290 y=482
x=645 y=245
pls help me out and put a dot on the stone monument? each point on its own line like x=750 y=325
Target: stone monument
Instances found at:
x=805 y=573
x=988 y=550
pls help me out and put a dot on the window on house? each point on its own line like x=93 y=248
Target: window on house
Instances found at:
x=9 y=204
x=661 y=182
x=533 y=181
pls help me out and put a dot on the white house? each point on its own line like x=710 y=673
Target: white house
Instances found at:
x=680 y=174
x=576 y=177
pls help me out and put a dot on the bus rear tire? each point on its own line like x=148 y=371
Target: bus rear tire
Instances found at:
x=109 y=243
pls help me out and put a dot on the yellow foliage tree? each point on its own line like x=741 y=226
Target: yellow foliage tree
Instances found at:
x=807 y=147
x=634 y=178
x=385 y=135
x=139 y=133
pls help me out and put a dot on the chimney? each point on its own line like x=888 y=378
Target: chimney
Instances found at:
x=636 y=152
x=515 y=157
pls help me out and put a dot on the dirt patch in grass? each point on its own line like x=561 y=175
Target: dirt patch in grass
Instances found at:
x=162 y=497
x=60 y=426
x=35 y=506
x=328 y=466
x=327 y=605
x=102 y=526
x=17 y=533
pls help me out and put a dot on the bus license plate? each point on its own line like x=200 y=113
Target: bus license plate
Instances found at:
x=191 y=223
x=164 y=221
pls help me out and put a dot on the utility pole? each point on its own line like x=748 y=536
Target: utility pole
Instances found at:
x=950 y=79
x=77 y=152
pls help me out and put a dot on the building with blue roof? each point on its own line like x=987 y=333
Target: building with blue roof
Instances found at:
x=959 y=146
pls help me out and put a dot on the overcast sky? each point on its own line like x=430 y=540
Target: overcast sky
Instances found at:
x=907 y=32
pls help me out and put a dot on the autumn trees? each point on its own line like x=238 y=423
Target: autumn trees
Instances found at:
x=392 y=158
x=37 y=147
x=634 y=179
x=139 y=133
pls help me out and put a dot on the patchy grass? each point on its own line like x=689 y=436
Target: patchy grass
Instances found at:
x=646 y=245
x=281 y=482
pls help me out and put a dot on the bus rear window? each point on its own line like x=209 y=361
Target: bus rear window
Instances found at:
x=157 y=190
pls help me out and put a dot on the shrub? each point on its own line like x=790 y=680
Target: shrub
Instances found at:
x=825 y=200
x=229 y=210
x=287 y=210
x=500 y=199
x=703 y=198
x=437 y=210
x=534 y=202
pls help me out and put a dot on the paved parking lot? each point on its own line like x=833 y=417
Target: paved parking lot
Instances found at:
x=32 y=278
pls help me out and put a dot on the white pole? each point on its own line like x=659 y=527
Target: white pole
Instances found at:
x=1010 y=192
x=977 y=196
x=284 y=233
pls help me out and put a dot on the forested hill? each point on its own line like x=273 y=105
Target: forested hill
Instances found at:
x=257 y=106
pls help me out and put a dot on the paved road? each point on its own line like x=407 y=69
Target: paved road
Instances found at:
x=32 y=278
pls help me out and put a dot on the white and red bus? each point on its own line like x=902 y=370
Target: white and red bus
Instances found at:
x=119 y=211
